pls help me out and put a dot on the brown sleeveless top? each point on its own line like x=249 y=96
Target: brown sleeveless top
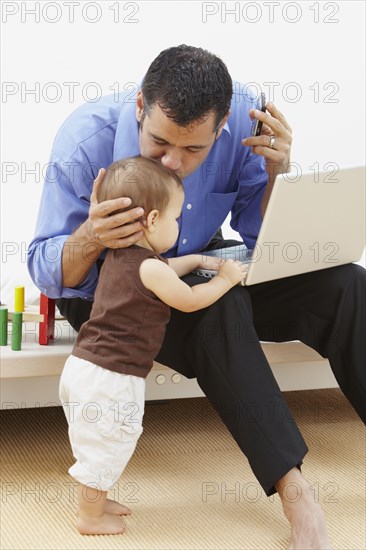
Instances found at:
x=127 y=322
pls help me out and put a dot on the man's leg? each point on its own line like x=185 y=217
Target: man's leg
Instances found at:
x=219 y=345
x=75 y=310
x=327 y=311
x=223 y=350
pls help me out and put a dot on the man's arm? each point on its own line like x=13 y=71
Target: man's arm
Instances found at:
x=84 y=143
x=278 y=154
x=266 y=195
x=166 y=285
x=63 y=264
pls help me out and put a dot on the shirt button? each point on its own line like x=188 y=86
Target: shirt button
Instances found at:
x=184 y=241
x=189 y=206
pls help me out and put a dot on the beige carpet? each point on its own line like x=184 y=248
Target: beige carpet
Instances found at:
x=179 y=479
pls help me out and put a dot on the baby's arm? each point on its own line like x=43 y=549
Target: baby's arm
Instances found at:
x=185 y=264
x=162 y=280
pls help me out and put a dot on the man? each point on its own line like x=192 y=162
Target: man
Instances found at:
x=185 y=116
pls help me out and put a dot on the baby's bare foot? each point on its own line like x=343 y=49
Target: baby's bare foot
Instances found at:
x=113 y=507
x=107 y=524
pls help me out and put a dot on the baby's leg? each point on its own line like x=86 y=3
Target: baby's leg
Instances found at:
x=93 y=519
x=103 y=435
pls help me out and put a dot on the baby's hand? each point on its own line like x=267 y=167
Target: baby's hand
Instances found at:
x=232 y=271
x=210 y=262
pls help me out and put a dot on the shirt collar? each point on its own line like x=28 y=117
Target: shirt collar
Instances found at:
x=226 y=127
x=126 y=141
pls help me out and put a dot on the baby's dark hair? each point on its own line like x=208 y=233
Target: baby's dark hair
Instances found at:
x=145 y=181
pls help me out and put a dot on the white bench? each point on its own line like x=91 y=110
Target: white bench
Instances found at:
x=30 y=377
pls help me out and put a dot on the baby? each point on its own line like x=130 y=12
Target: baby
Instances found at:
x=102 y=386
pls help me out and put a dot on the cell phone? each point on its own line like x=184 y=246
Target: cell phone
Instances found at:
x=257 y=124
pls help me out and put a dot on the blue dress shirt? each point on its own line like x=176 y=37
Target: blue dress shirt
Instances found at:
x=231 y=179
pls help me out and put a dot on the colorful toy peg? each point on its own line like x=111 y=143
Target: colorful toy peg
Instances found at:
x=16 y=331
x=3 y=326
x=47 y=327
x=19 y=298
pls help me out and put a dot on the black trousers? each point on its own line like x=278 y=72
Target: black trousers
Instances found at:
x=220 y=346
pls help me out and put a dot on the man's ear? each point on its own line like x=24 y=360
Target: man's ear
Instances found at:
x=152 y=220
x=221 y=126
x=139 y=106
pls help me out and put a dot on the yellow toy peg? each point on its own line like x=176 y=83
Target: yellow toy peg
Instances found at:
x=19 y=298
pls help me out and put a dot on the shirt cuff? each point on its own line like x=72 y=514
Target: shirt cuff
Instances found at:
x=45 y=268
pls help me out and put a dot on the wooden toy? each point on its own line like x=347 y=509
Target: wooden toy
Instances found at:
x=19 y=298
x=16 y=331
x=44 y=315
x=3 y=326
x=47 y=326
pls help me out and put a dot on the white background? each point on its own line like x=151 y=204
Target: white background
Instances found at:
x=311 y=52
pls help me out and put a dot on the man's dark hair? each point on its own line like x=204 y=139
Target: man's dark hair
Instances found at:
x=188 y=84
x=145 y=181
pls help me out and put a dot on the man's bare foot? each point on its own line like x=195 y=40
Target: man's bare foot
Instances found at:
x=308 y=528
x=113 y=507
x=107 y=524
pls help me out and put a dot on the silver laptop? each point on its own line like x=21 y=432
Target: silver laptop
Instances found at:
x=313 y=221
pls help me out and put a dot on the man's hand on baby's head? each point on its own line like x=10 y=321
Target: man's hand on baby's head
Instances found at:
x=110 y=230
x=233 y=271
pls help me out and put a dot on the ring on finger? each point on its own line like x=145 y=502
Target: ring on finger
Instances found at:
x=272 y=140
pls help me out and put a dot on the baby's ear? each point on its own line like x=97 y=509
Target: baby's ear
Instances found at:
x=152 y=219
